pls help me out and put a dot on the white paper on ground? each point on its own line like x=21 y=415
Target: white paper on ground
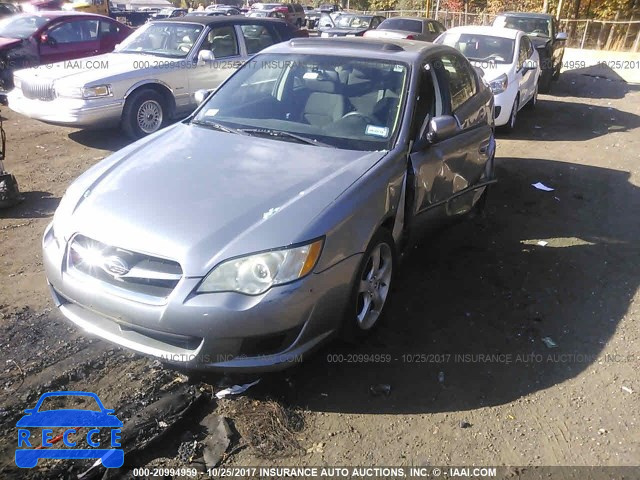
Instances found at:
x=235 y=390
x=542 y=186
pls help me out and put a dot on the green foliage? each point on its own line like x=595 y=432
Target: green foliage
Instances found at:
x=380 y=5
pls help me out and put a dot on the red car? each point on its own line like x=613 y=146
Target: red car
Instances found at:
x=31 y=39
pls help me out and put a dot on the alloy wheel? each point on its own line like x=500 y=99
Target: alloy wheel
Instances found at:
x=374 y=286
x=149 y=116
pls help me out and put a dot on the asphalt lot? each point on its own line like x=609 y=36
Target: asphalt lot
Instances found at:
x=471 y=380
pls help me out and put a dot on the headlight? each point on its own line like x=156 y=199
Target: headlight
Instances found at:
x=499 y=85
x=257 y=273
x=70 y=91
x=97 y=91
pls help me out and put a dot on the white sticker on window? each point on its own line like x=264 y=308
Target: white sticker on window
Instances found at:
x=398 y=68
x=212 y=112
x=310 y=76
x=377 y=131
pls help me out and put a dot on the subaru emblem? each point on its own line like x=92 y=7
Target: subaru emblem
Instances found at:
x=116 y=266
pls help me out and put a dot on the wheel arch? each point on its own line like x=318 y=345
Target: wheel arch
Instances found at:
x=158 y=86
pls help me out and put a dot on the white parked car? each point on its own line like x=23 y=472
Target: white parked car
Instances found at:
x=510 y=64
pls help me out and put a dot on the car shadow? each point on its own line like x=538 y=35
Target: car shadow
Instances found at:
x=112 y=139
x=34 y=205
x=595 y=81
x=557 y=120
x=474 y=305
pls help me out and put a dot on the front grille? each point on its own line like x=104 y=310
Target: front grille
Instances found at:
x=130 y=271
x=38 y=90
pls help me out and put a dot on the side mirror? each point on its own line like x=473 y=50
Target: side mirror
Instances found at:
x=479 y=71
x=441 y=128
x=205 y=56
x=45 y=39
x=201 y=95
x=529 y=65
x=562 y=36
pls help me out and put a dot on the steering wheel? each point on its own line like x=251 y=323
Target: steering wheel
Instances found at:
x=358 y=114
x=185 y=47
x=539 y=31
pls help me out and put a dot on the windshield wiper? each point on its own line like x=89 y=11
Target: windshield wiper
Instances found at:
x=279 y=133
x=217 y=126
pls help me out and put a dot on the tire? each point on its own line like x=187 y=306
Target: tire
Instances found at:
x=533 y=101
x=145 y=112
x=371 y=287
x=511 y=124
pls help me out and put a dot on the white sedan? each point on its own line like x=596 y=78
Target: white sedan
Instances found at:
x=509 y=62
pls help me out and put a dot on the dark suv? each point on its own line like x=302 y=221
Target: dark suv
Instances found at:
x=542 y=29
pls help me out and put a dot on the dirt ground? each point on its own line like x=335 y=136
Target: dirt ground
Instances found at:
x=471 y=380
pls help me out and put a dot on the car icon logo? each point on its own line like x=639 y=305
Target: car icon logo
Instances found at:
x=76 y=423
x=116 y=266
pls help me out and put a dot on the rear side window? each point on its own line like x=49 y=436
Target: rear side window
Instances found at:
x=223 y=42
x=257 y=37
x=405 y=25
x=108 y=28
x=461 y=79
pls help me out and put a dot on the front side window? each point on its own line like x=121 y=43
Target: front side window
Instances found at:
x=460 y=78
x=75 y=31
x=165 y=39
x=344 y=102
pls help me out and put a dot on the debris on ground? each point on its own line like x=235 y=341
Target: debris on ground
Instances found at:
x=549 y=342
x=464 y=424
x=217 y=440
x=441 y=377
x=235 y=390
x=543 y=243
x=267 y=426
x=380 y=389
x=627 y=389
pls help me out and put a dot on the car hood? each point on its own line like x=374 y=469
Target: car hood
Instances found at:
x=494 y=70
x=200 y=196
x=6 y=43
x=99 y=67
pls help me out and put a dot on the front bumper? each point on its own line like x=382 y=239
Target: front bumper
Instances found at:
x=503 y=103
x=102 y=112
x=217 y=331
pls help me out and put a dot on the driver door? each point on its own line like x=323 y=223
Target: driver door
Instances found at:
x=223 y=42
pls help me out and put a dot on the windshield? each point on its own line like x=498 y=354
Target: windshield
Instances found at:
x=21 y=26
x=352 y=21
x=533 y=26
x=481 y=48
x=343 y=102
x=405 y=25
x=165 y=39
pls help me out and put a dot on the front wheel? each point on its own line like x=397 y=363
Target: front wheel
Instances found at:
x=372 y=286
x=511 y=124
x=144 y=112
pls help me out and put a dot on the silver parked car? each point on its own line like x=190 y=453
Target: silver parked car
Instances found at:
x=150 y=79
x=423 y=29
x=272 y=218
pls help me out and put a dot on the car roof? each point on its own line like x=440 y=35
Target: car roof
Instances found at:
x=384 y=49
x=487 y=30
x=208 y=20
x=546 y=16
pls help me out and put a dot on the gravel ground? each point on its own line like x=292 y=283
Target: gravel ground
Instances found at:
x=470 y=379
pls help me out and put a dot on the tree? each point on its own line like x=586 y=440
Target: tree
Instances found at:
x=381 y=5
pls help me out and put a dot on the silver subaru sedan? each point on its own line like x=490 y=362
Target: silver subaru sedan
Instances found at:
x=273 y=218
